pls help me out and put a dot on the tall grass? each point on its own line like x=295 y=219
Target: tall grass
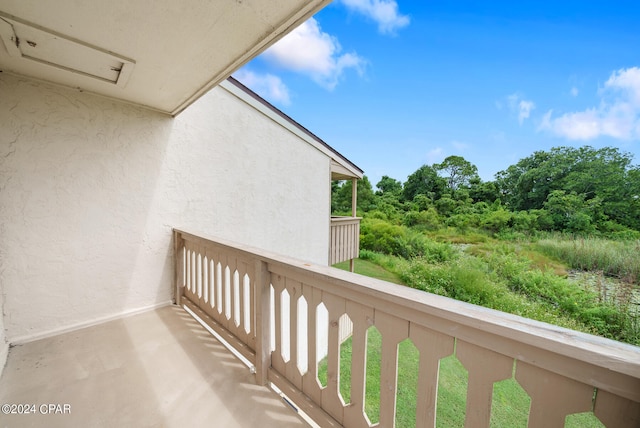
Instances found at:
x=497 y=277
x=614 y=258
x=570 y=300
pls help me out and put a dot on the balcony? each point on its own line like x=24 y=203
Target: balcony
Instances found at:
x=271 y=309
x=286 y=318
x=345 y=239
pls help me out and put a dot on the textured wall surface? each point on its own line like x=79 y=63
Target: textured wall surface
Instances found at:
x=4 y=346
x=90 y=189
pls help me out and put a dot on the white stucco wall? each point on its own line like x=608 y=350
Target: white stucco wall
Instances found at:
x=90 y=189
x=4 y=345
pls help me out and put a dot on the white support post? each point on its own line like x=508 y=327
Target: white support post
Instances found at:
x=354 y=211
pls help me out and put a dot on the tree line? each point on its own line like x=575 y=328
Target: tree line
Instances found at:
x=576 y=190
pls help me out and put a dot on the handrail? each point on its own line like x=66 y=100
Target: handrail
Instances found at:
x=561 y=370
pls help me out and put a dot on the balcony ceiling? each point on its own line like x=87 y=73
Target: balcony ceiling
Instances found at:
x=162 y=54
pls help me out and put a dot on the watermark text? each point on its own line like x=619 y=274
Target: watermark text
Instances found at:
x=36 y=409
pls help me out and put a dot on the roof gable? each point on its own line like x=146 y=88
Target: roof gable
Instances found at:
x=341 y=167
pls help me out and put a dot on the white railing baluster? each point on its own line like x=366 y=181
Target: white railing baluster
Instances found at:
x=292 y=372
x=485 y=367
x=553 y=397
x=277 y=360
x=433 y=346
x=331 y=401
x=310 y=384
x=362 y=319
x=615 y=411
x=394 y=330
x=263 y=321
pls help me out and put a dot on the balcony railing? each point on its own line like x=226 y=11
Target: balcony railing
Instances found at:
x=270 y=308
x=345 y=239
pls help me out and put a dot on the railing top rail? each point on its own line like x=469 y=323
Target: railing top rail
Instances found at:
x=466 y=321
x=338 y=219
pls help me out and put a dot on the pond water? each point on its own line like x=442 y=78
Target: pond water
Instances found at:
x=609 y=289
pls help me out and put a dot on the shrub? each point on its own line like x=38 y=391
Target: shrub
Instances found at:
x=574 y=301
x=497 y=220
x=426 y=219
x=381 y=236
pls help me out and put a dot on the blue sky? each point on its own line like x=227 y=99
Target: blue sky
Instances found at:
x=394 y=85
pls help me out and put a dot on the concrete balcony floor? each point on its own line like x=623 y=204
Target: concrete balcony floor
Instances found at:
x=156 y=369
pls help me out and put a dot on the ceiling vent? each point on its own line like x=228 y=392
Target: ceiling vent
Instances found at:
x=34 y=43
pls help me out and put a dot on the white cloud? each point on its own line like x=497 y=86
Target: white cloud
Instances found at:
x=521 y=106
x=574 y=91
x=435 y=155
x=308 y=50
x=267 y=86
x=617 y=116
x=524 y=110
x=384 y=12
x=626 y=82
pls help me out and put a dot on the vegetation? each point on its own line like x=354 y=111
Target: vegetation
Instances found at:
x=580 y=191
x=516 y=244
x=510 y=406
x=513 y=244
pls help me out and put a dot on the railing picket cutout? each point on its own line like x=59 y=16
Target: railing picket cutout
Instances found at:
x=345 y=332
x=322 y=344
x=285 y=327
x=211 y=270
x=335 y=343
x=219 y=287
x=303 y=336
x=407 y=391
x=205 y=279
x=198 y=267
x=226 y=292
x=247 y=304
x=236 y=299
x=373 y=381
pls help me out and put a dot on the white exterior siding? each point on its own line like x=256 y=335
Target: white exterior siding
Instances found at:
x=90 y=189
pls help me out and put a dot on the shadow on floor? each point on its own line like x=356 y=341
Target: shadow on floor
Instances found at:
x=156 y=369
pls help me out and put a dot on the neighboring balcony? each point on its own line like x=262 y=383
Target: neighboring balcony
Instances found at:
x=344 y=233
x=345 y=239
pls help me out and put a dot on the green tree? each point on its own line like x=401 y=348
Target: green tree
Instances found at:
x=457 y=171
x=424 y=181
x=341 y=197
x=483 y=191
x=570 y=211
x=604 y=175
x=388 y=185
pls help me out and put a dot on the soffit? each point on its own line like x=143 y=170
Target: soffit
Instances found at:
x=160 y=54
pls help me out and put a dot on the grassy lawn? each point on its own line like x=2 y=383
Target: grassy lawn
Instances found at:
x=510 y=407
x=370 y=269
